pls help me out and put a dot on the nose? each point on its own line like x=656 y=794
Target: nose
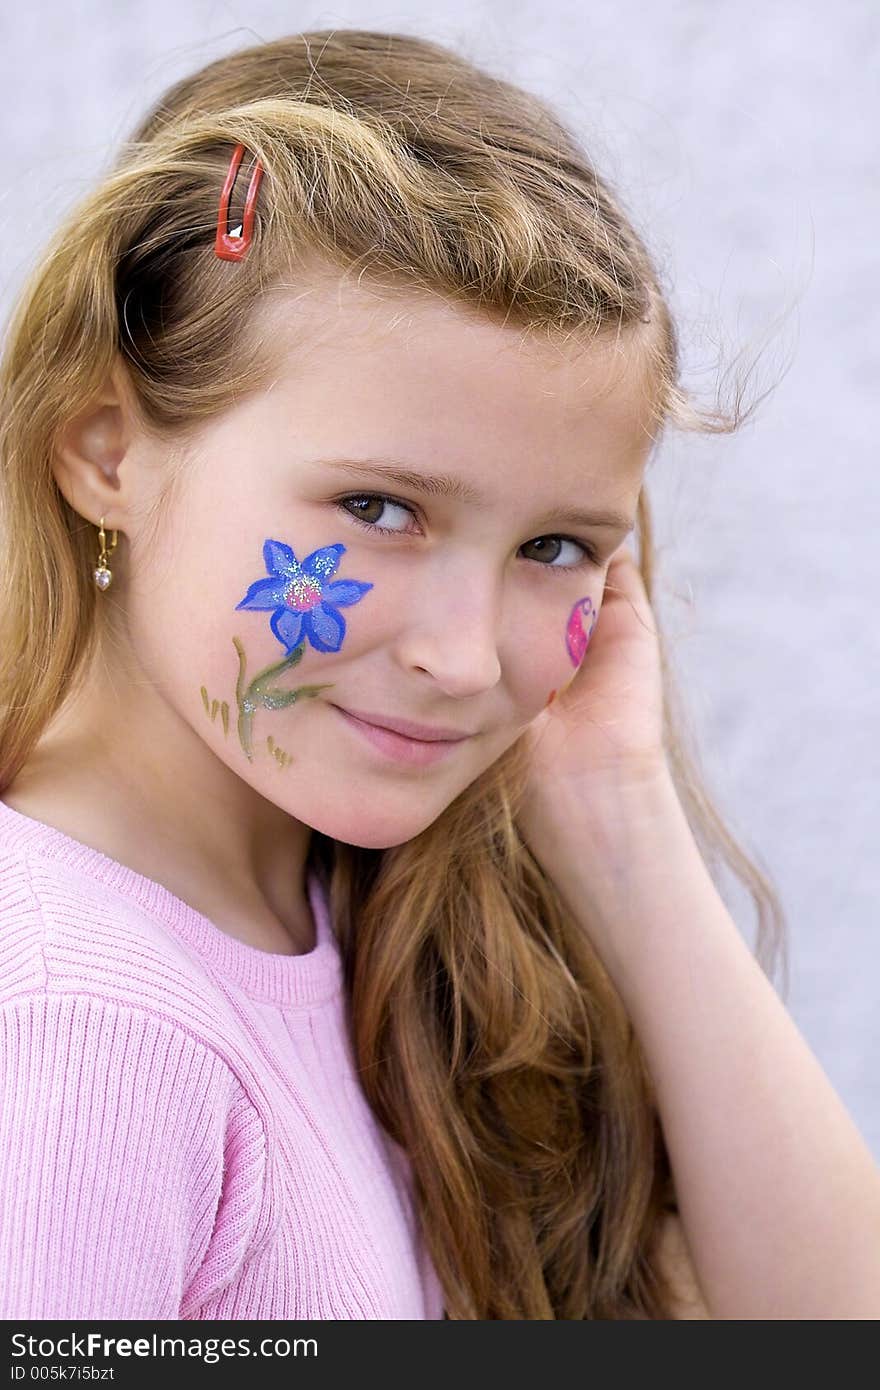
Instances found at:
x=452 y=630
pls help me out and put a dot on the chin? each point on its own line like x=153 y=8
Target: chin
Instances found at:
x=380 y=832
x=377 y=841
x=379 y=823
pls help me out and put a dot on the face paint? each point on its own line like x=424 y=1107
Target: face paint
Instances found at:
x=277 y=752
x=579 y=629
x=211 y=707
x=304 y=605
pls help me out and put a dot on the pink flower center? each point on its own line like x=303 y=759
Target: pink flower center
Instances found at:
x=303 y=593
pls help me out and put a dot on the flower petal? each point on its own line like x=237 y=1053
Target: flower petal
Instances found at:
x=278 y=557
x=324 y=562
x=287 y=627
x=325 y=628
x=265 y=593
x=345 y=591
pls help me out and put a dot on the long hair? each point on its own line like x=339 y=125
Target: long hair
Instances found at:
x=489 y=1039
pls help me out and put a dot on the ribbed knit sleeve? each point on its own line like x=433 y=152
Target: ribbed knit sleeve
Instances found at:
x=121 y=1137
x=184 y=1131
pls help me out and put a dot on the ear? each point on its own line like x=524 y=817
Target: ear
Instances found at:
x=90 y=449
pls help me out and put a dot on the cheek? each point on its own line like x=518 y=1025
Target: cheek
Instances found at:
x=579 y=628
x=546 y=659
x=265 y=631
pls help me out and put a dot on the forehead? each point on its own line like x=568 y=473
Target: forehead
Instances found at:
x=413 y=375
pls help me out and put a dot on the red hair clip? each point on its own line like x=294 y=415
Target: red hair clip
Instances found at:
x=232 y=245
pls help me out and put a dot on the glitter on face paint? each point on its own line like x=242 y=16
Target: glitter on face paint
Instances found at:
x=577 y=637
x=302 y=597
x=305 y=590
x=302 y=593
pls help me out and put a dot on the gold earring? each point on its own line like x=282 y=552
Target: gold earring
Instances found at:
x=103 y=575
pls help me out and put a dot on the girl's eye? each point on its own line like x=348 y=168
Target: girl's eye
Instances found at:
x=367 y=502
x=365 y=509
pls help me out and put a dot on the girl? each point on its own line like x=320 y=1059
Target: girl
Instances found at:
x=360 y=956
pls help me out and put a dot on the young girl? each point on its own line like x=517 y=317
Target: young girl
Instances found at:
x=360 y=953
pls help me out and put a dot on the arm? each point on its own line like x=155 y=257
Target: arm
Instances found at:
x=111 y=1159
x=778 y=1194
x=670 y=1252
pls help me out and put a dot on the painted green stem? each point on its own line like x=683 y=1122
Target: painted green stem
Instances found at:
x=261 y=693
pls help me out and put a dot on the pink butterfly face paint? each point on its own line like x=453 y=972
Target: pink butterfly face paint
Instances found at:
x=579 y=629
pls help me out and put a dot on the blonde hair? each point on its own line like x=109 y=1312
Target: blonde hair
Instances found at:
x=489 y=1039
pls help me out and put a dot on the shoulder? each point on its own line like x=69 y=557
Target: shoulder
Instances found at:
x=672 y=1254
x=117 y=1128
x=103 y=1012
x=63 y=935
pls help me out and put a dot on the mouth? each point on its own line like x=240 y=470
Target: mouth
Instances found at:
x=402 y=747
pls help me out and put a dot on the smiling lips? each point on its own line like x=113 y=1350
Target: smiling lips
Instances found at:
x=416 y=745
x=426 y=733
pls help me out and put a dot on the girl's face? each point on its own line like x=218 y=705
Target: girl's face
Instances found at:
x=397 y=531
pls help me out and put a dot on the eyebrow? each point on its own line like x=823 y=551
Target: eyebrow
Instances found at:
x=446 y=485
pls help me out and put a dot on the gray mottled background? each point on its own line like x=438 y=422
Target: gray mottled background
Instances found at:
x=743 y=137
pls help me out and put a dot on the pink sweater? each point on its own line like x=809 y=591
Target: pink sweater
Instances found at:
x=182 y=1130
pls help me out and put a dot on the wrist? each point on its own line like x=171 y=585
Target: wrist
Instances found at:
x=600 y=810
x=618 y=853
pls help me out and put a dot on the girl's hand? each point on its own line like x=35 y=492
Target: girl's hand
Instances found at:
x=604 y=731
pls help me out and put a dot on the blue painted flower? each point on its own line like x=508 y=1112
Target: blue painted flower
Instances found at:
x=304 y=604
